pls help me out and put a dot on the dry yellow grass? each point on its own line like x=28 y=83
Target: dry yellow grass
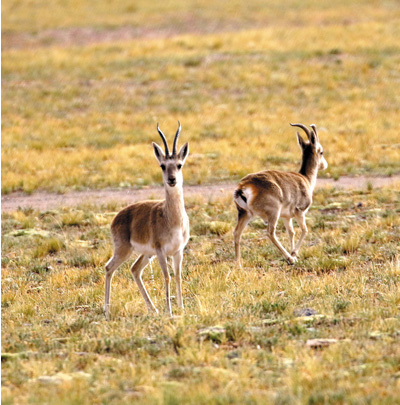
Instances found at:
x=242 y=338
x=80 y=117
x=80 y=111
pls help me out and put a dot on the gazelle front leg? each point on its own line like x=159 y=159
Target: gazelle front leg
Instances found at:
x=301 y=219
x=162 y=259
x=289 y=229
x=177 y=258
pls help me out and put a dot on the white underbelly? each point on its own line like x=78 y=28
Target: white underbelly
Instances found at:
x=144 y=249
x=174 y=244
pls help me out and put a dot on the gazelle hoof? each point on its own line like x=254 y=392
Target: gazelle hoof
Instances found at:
x=292 y=260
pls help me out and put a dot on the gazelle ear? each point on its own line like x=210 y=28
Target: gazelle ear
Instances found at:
x=158 y=152
x=301 y=141
x=184 y=152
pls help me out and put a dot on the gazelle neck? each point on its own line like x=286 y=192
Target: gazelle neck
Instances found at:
x=174 y=203
x=309 y=167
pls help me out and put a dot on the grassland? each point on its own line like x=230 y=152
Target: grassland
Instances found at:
x=84 y=116
x=242 y=338
x=83 y=86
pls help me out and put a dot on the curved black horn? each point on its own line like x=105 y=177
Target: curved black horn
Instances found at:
x=314 y=128
x=164 y=140
x=176 y=139
x=304 y=128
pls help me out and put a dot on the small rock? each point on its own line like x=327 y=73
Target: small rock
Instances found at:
x=54 y=379
x=61 y=378
x=269 y=322
x=254 y=329
x=233 y=355
x=320 y=343
x=211 y=330
x=304 y=312
x=376 y=334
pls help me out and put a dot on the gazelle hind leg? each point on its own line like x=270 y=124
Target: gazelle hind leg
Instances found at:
x=178 y=276
x=243 y=219
x=121 y=254
x=137 y=271
x=162 y=259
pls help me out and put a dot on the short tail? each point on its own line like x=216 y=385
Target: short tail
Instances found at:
x=240 y=199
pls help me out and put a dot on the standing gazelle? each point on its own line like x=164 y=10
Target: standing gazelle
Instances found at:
x=154 y=228
x=272 y=194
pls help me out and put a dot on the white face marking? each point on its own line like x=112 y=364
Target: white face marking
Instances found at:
x=172 y=165
x=172 y=172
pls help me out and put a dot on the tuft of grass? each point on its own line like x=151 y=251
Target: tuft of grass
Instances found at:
x=73 y=218
x=340 y=305
x=47 y=247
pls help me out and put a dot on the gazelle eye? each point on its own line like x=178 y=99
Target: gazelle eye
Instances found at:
x=179 y=166
x=322 y=152
x=162 y=167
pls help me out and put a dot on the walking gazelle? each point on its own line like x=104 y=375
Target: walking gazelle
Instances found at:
x=154 y=228
x=272 y=194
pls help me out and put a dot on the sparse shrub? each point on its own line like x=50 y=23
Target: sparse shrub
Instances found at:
x=340 y=305
x=257 y=224
x=326 y=263
x=193 y=62
x=41 y=268
x=219 y=228
x=296 y=329
x=47 y=247
x=235 y=331
x=266 y=342
x=213 y=227
x=25 y=219
x=73 y=218
x=350 y=244
x=316 y=399
x=76 y=325
x=80 y=260
x=269 y=308
x=179 y=373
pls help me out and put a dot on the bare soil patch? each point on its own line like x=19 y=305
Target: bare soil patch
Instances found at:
x=84 y=36
x=45 y=201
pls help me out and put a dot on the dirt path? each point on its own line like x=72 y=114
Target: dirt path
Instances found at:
x=45 y=201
